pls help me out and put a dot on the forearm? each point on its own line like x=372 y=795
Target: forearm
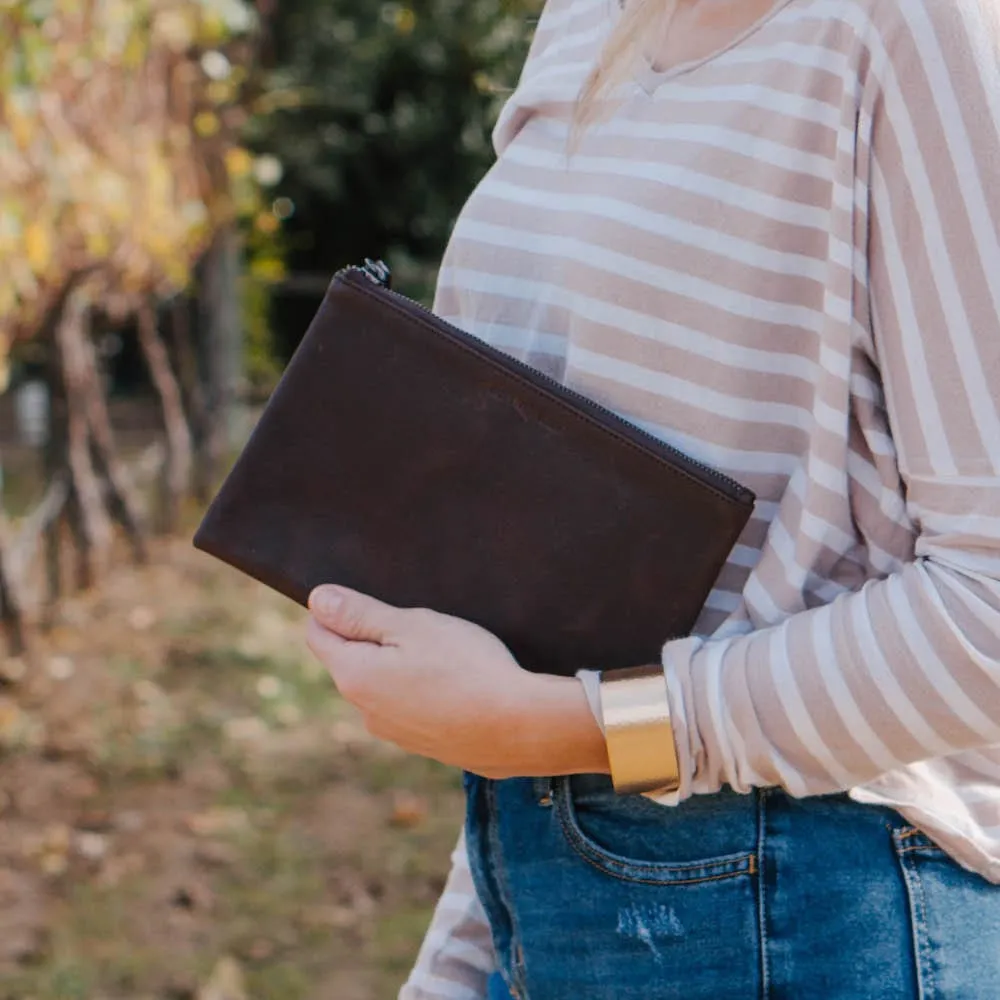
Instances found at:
x=905 y=670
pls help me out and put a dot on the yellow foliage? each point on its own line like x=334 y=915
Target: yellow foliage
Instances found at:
x=212 y=28
x=239 y=162
x=21 y=128
x=406 y=20
x=89 y=178
x=207 y=124
x=174 y=27
x=267 y=269
x=177 y=272
x=267 y=222
x=134 y=52
x=98 y=245
x=220 y=91
x=37 y=247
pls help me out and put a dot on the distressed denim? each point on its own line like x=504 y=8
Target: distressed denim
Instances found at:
x=594 y=895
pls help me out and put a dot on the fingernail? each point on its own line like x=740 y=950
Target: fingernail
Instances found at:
x=326 y=600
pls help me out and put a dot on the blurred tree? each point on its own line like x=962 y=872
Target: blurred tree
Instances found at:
x=378 y=119
x=122 y=183
x=118 y=168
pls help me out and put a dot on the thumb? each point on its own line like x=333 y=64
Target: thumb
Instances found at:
x=353 y=616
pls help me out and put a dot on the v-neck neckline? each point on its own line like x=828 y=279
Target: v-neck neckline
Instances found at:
x=650 y=79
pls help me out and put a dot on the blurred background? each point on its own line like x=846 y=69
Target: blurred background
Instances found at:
x=186 y=808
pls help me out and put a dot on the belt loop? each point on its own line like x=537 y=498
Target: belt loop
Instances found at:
x=543 y=791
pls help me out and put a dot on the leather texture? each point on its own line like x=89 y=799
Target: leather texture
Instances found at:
x=403 y=458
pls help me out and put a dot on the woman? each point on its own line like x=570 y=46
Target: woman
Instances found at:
x=769 y=233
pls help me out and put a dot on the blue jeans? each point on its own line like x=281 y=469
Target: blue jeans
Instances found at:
x=595 y=896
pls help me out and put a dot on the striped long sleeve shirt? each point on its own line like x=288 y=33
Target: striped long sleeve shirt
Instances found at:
x=783 y=259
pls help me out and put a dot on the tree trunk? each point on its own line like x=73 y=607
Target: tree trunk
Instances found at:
x=177 y=467
x=88 y=518
x=66 y=309
x=84 y=385
x=10 y=605
x=186 y=359
x=221 y=341
x=56 y=464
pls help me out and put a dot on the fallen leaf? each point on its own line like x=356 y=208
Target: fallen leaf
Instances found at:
x=260 y=950
x=53 y=863
x=17 y=727
x=225 y=983
x=91 y=846
x=61 y=668
x=218 y=822
x=213 y=854
x=330 y=915
x=57 y=837
x=408 y=809
x=268 y=686
x=94 y=820
x=49 y=848
x=13 y=669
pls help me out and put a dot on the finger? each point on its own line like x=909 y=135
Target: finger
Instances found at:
x=348 y=663
x=354 y=616
x=322 y=642
x=327 y=644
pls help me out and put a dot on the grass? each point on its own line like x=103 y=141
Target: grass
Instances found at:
x=90 y=947
x=392 y=944
x=267 y=834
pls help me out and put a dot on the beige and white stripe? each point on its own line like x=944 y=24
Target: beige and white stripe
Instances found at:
x=785 y=260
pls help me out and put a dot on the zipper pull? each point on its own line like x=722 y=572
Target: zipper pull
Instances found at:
x=377 y=271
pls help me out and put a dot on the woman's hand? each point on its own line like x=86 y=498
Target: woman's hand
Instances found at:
x=444 y=688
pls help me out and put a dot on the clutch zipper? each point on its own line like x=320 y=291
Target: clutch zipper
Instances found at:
x=378 y=273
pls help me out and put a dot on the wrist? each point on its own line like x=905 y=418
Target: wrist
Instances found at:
x=555 y=731
x=635 y=712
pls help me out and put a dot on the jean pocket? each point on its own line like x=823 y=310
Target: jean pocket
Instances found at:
x=636 y=839
x=955 y=914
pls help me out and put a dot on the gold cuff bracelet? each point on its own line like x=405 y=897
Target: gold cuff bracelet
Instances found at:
x=640 y=738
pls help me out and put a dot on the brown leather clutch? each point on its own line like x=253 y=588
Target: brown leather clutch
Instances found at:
x=406 y=459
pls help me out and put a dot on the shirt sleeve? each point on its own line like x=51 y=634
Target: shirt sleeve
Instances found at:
x=908 y=668
x=457 y=955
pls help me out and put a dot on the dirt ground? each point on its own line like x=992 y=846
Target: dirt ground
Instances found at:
x=187 y=810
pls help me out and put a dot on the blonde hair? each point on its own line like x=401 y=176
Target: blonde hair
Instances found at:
x=640 y=19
